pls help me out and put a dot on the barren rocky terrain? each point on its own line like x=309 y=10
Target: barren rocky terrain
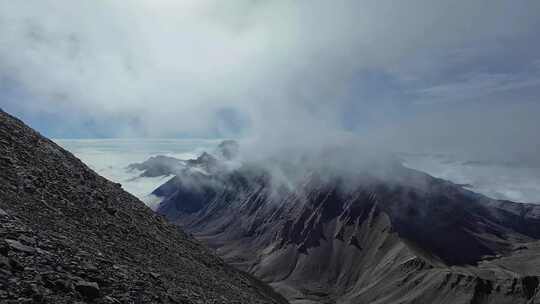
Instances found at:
x=68 y=235
x=400 y=236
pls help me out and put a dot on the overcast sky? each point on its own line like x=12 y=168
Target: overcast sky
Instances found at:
x=461 y=76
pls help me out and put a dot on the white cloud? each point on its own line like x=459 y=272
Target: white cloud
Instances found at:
x=478 y=86
x=287 y=66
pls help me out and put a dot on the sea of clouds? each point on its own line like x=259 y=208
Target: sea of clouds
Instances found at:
x=110 y=158
x=499 y=180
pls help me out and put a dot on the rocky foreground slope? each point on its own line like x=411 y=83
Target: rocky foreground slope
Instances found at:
x=388 y=235
x=68 y=235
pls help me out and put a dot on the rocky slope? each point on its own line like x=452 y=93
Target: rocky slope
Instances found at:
x=398 y=237
x=68 y=235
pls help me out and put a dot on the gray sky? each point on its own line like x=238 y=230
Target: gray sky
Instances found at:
x=459 y=76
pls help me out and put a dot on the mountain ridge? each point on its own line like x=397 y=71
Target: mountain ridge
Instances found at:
x=407 y=238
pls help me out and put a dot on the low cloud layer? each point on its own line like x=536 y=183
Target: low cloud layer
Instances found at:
x=426 y=75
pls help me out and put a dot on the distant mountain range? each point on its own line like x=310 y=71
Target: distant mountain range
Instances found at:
x=384 y=235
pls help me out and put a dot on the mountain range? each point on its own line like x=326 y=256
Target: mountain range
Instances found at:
x=234 y=231
x=386 y=234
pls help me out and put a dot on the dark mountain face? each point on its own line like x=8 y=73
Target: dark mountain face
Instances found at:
x=68 y=235
x=398 y=237
x=161 y=165
x=206 y=162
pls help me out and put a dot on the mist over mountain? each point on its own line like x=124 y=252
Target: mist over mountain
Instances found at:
x=353 y=151
x=370 y=232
